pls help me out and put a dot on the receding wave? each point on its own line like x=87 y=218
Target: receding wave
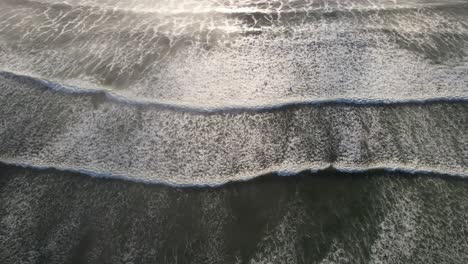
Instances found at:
x=89 y=134
x=251 y=53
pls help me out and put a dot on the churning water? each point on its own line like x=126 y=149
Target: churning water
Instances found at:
x=366 y=99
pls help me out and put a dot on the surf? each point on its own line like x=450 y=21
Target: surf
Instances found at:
x=82 y=132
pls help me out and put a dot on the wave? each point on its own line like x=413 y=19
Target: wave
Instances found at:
x=281 y=172
x=45 y=128
x=111 y=96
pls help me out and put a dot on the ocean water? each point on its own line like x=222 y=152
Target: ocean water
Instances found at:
x=240 y=131
x=50 y=216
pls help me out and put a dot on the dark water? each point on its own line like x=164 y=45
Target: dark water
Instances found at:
x=49 y=216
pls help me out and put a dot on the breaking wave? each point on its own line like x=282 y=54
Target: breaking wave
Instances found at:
x=93 y=135
x=282 y=172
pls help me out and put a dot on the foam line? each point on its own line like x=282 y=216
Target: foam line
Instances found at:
x=281 y=172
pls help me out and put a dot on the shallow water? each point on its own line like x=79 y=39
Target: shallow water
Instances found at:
x=218 y=54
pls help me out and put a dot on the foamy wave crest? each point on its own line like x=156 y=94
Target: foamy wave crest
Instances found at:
x=283 y=172
x=41 y=127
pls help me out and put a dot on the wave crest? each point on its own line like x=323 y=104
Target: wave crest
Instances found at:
x=42 y=127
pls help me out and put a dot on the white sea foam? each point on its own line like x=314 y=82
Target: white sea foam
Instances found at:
x=283 y=172
x=245 y=106
x=241 y=60
x=100 y=137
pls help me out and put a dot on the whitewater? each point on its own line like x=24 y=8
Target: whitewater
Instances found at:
x=234 y=131
x=208 y=92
